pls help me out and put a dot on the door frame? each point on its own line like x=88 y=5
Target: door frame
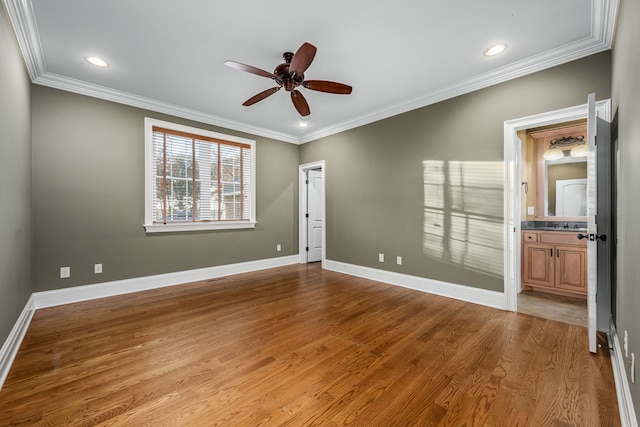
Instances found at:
x=302 y=210
x=512 y=188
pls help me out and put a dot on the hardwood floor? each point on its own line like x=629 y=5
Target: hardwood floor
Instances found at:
x=300 y=346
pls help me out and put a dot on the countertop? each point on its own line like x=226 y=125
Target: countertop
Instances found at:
x=570 y=226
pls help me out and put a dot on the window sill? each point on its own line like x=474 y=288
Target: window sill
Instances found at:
x=189 y=227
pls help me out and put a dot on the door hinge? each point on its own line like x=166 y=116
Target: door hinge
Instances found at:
x=306 y=215
x=307 y=182
x=307 y=248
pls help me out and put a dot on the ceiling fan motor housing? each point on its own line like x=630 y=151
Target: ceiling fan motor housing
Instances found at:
x=286 y=78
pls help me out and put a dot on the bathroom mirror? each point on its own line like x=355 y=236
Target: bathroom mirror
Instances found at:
x=561 y=184
x=565 y=187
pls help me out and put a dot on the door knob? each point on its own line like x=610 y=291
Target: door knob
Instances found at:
x=592 y=237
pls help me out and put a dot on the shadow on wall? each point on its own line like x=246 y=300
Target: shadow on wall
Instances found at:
x=463 y=214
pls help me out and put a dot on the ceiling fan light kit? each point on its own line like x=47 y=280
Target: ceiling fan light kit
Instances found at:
x=290 y=76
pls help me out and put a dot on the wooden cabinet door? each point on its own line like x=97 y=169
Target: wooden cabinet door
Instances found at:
x=538 y=264
x=571 y=268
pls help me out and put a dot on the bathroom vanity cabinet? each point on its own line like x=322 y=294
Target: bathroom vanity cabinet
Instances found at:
x=554 y=262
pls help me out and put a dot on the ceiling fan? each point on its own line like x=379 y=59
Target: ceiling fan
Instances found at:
x=290 y=75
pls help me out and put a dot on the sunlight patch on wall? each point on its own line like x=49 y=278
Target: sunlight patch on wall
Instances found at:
x=463 y=214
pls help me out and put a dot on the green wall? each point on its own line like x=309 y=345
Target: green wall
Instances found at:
x=15 y=180
x=626 y=101
x=427 y=185
x=88 y=197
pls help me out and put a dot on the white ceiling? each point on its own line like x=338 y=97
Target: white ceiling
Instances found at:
x=168 y=56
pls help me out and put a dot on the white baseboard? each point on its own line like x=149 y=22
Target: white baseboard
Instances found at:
x=625 y=402
x=13 y=341
x=460 y=292
x=119 y=287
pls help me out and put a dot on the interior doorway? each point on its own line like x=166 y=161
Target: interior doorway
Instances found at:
x=512 y=205
x=311 y=213
x=553 y=210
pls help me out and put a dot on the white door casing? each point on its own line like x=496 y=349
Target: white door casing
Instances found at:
x=592 y=227
x=302 y=210
x=315 y=215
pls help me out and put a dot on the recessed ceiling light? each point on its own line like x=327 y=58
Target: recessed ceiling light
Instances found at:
x=303 y=124
x=495 y=50
x=94 y=60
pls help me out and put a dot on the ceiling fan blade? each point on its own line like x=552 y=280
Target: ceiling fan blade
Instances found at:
x=300 y=103
x=302 y=58
x=262 y=95
x=249 y=69
x=326 y=86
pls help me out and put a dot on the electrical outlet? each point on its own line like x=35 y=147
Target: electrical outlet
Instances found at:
x=97 y=268
x=399 y=260
x=278 y=247
x=380 y=257
x=65 y=272
x=626 y=344
x=531 y=210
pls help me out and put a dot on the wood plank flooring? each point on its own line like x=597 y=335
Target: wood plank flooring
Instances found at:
x=301 y=346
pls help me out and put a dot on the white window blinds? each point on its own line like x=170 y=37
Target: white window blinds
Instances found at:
x=200 y=179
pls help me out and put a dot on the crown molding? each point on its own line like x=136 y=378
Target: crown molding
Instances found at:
x=602 y=34
x=24 y=25
x=601 y=39
x=77 y=86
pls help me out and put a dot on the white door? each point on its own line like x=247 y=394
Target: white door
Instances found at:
x=571 y=195
x=315 y=215
x=592 y=244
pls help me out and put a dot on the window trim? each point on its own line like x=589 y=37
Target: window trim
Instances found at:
x=149 y=225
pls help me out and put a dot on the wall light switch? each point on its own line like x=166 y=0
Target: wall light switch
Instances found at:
x=380 y=257
x=531 y=210
x=399 y=260
x=65 y=272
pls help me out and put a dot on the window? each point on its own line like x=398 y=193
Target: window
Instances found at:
x=197 y=179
